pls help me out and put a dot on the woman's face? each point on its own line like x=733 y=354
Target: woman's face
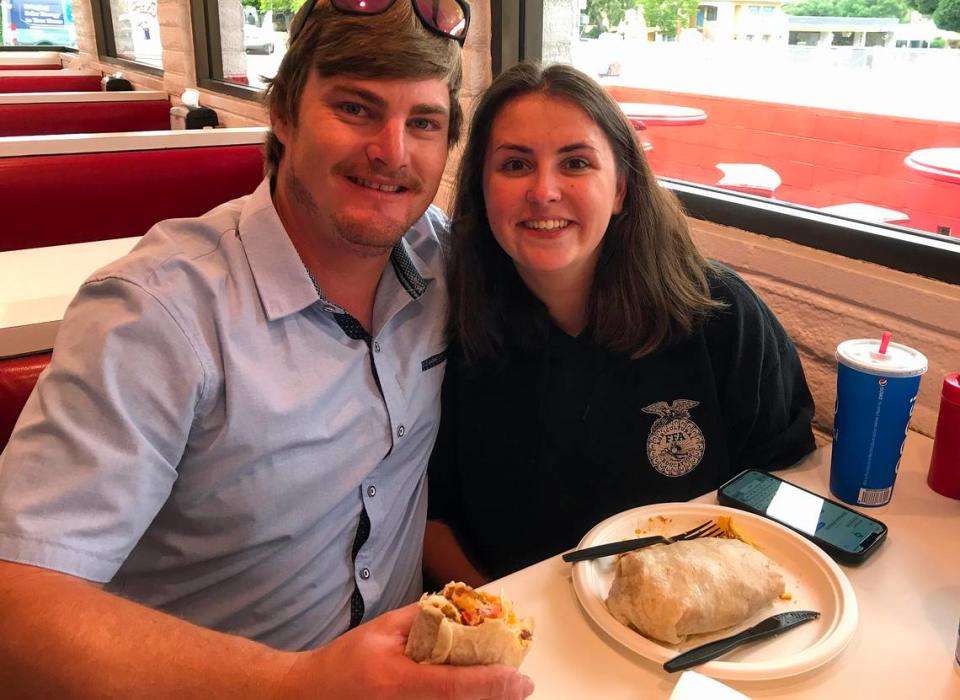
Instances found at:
x=550 y=184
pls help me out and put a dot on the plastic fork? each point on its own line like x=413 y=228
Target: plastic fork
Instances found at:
x=707 y=529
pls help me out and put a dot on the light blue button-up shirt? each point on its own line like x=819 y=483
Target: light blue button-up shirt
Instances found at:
x=207 y=435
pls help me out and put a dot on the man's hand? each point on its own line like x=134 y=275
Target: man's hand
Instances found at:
x=368 y=663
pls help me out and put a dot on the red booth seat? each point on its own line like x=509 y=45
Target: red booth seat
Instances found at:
x=55 y=81
x=18 y=376
x=26 y=119
x=78 y=197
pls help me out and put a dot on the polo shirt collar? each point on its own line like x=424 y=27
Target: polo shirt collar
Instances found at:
x=283 y=282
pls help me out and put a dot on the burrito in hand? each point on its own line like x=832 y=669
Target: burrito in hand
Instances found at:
x=692 y=587
x=462 y=626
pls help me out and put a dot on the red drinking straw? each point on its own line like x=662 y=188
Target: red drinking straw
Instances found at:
x=885 y=341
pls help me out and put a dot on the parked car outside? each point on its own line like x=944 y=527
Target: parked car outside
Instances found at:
x=257 y=31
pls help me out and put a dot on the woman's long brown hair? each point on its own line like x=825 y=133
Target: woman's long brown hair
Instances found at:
x=650 y=285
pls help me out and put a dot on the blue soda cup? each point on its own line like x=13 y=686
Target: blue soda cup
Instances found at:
x=876 y=393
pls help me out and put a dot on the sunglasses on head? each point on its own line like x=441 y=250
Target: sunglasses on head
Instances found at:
x=449 y=18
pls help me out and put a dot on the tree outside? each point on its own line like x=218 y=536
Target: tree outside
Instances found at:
x=924 y=7
x=283 y=10
x=851 y=8
x=606 y=15
x=669 y=16
x=947 y=15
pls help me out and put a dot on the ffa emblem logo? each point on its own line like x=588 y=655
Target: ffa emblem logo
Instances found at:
x=675 y=444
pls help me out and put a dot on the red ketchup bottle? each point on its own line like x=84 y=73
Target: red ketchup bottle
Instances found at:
x=944 y=474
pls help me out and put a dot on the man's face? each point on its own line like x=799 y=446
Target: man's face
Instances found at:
x=365 y=159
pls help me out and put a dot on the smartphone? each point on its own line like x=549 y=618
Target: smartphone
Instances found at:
x=843 y=533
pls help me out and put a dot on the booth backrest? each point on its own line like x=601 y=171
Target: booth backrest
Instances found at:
x=75 y=197
x=30 y=66
x=18 y=376
x=30 y=60
x=27 y=114
x=48 y=81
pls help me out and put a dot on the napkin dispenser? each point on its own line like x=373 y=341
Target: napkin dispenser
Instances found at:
x=191 y=115
x=115 y=83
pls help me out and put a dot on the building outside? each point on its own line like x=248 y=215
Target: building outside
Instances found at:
x=756 y=21
x=858 y=32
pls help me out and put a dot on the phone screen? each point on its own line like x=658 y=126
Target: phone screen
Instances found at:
x=804 y=511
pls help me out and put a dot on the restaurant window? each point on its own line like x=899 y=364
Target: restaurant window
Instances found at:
x=843 y=39
x=37 y=23
x=128 y=32
x=240 y=44
x=804 y=38
x=822 y=121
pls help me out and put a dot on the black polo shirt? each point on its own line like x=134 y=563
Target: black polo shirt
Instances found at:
x=534 y=452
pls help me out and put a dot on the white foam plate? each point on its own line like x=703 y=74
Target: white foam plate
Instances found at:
x=813 y=580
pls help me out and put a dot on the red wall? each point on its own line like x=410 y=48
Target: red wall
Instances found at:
x=823 y=156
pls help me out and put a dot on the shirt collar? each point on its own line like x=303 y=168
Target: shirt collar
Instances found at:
x=283 y=282
x=411 y=270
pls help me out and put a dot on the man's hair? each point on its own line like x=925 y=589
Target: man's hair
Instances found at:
x=650 y=284
x=390 y=45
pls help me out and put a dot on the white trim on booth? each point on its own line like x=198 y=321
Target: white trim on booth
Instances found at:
x=65 y=73
x=12 y=146
x=30 y=58
x=16 y=98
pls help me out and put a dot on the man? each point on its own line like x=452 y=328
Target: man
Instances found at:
x=224 y=465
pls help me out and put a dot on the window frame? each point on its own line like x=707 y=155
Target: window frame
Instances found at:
x=895 y=247
x=107 y=43
x=208 y=55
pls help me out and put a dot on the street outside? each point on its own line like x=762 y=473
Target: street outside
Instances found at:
x=266 y=64
x=889 y=81
x=894 y=82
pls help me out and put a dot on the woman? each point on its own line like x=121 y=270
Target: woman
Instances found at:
x=597 y=362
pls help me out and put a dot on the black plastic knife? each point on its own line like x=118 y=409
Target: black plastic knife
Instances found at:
x=772 y=626
x=606 y=550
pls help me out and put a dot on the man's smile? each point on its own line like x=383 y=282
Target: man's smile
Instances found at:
x=378 y=186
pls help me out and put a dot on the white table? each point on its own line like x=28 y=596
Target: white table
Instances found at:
x=37 y=284
x=937 y=163
x=663 y=115
x=908 y=594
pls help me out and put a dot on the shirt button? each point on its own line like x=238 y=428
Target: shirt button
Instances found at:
x=371 y=491
x=400 y=431
x=376 y=347
x=364 y=573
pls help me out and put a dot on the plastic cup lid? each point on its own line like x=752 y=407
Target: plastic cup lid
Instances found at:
x=899 y=360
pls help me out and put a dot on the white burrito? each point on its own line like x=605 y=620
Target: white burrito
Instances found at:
x=670 y=592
